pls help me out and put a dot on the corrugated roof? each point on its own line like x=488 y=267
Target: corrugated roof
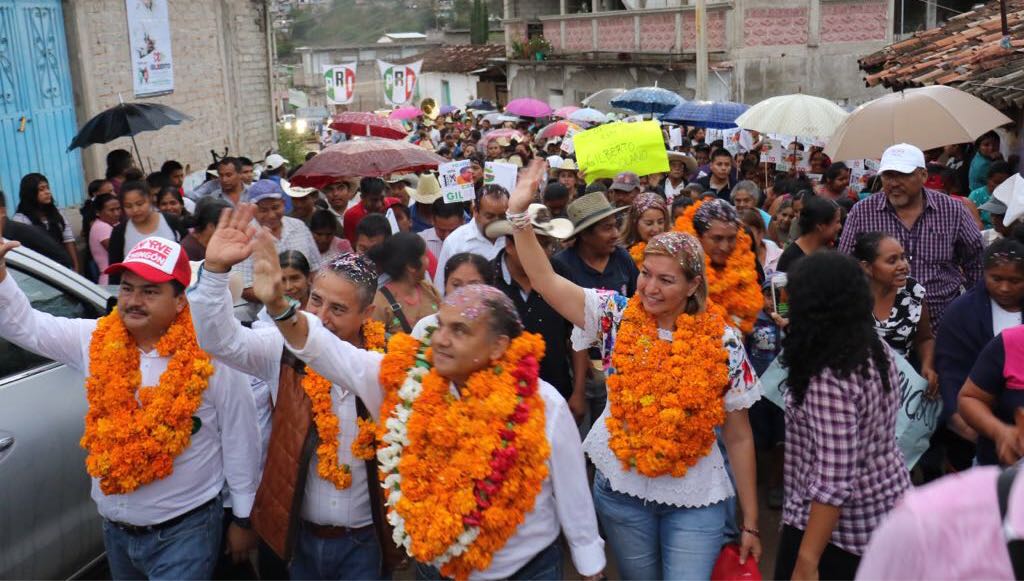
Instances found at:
x=457 y=58
x=966 y=52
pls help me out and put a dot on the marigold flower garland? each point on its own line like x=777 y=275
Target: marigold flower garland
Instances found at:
x=636 y=252
x=461 y=473
x=327 y=425
x=133 y=432
x=734 y=287
x=666 y=398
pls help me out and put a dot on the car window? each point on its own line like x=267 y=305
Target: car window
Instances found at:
x=48 y=298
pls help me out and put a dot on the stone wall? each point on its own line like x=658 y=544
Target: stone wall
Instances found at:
x=221 y=78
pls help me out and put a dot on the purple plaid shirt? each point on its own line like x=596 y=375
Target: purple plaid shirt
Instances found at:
x=944 y=246
x=841 y=450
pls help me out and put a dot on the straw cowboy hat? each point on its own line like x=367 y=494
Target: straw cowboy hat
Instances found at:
x=428 y=190
x=569 y=165
x=540 y=218
x=688 y=160
x=589 y=210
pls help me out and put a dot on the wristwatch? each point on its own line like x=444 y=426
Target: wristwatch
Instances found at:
x=293 y=307
x=243 y=523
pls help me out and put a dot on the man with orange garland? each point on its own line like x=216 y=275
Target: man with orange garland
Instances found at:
x=333 y=536
x=167 y=425
x=480 y=460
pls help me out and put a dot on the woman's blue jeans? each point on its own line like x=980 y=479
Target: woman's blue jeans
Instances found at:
x=651 y=540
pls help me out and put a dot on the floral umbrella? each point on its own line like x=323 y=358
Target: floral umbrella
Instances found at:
x=369 y=157
x=368 y=124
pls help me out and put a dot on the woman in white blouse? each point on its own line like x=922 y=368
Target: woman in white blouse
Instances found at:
x=661 y=487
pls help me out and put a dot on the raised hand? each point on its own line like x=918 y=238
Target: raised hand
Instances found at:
x=5 y=247
x=266 y=273
x=232 y=242
x=529 y=181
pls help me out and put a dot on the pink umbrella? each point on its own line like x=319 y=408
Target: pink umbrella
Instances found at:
x=526 y=107
x=499 y=133
x=371 y=157
x=368 y=124
x=557 y=129
x=406 y=113
x=564 y=112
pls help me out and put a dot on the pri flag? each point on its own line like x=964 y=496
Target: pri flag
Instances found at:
x=399 y=81
x=341 y=83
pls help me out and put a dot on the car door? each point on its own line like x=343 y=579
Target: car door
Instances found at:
x=49 y=527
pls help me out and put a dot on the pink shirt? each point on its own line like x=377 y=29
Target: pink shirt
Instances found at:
x=98 y=232
x=948 y=529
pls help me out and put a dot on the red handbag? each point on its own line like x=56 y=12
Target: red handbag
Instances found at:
x=728 y=567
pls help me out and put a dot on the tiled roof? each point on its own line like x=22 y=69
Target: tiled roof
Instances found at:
x=457 y=58
x=966 y=53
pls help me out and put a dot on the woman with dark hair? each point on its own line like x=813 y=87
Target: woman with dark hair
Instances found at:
x=835 y=183
x=843 y=468
x=819 y=223
x=986 y=151
x=142 y=221
x=462 y=269
x=325 y=228
x=208 y=213
x=170 y=202
x=296 y=275
x=767 y=252
x=37 y=208
x=119 y=161
x=108 y=215
x=408 y=296
x=900 y=313
x=647 y=217
x=989 y=399
x=782 y=222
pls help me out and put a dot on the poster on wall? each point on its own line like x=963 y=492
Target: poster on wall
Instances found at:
x=341 y=83
x=149 y=41
x=399 y=81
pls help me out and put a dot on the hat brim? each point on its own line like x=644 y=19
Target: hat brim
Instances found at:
x=623 y=187
x=426 y=200
x=147 y=272
x=594 y=219
x=689 y=162
x=903 y=168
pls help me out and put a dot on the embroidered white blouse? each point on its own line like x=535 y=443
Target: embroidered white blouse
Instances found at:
x=705 y=483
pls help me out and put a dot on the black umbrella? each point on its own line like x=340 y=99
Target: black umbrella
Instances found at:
x=126 y=120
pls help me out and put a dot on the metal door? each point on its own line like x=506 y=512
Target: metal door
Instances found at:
x=37 y=108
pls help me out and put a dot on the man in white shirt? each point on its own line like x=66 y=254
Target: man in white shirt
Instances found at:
x=447 y=219
x=335 y=537
x=490 y=205
x=477 y=324
x=156 y=524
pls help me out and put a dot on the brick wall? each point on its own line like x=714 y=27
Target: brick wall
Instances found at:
x=774 y=26
x=855 y=21
x=220 y=78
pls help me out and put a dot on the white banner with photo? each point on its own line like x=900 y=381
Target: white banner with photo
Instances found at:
x=341 y=83
x=149 y=42
x=399 y=81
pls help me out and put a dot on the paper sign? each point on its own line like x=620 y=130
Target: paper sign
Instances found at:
x=608 y=150
x=149 y=45
x=916 y=418
x=456 y=182
x=771 y=151
x=675 y=137
x=568 y=147
x=501 y=174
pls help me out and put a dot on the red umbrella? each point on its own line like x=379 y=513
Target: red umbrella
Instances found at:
x=557 y=129
x=368 y=124
x=368 y=157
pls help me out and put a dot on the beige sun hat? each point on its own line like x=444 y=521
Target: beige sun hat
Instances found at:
x=569 y=165
x=428 y=190
x=590 y=209
x=540 y=218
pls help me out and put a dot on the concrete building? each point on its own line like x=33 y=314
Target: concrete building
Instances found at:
x=64 y=61
x=757 y=48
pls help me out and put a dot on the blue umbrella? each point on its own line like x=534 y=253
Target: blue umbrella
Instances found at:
x=710 y=114
x=481 y=105
x=648 y=100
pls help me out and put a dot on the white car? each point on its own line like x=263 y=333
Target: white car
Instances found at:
x=49 y=526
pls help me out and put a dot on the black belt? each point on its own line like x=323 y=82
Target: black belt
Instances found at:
x=332 y=532
x=145 y=530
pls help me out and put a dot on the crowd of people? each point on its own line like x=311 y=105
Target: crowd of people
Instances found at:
x=525 y=367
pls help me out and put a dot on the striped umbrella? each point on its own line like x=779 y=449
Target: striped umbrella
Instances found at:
x=710 y=114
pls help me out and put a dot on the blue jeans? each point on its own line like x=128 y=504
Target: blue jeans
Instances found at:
x=356 y=556
x=187 y=550
x=651 y=540
x=546 y=566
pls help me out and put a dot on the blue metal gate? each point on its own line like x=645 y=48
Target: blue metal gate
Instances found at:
x=37 y=107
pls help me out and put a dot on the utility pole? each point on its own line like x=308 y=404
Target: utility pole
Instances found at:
x=701 y=21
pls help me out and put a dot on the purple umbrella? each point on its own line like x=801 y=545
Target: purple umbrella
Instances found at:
x=526 y=107
x=445 y=110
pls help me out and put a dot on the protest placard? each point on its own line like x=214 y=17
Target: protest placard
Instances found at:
x=675 y=137
x=916 y=418
x=771 y=151
x=456 y=181
x=608 y=150
x=502 y=174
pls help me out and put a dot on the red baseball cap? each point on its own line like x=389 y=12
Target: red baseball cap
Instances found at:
x=157 y=260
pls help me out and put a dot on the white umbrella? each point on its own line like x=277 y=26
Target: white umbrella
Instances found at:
x=1011 y=193
x=602 y=100
x=587 y=115
x=799 y=114
x=928 y=117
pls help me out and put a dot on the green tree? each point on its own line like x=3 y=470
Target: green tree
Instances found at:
x=479 y=27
